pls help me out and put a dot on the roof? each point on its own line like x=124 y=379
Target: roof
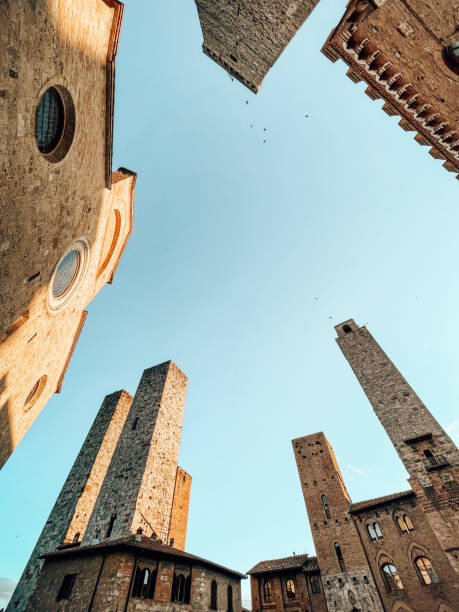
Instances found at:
x=137 y=543
x=377 y=501
x=302 y=562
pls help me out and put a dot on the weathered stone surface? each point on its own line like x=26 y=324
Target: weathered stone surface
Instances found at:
x=247 y=37
x=398 y=48
x=48 y=205
x=180 y=505
x=70 y=514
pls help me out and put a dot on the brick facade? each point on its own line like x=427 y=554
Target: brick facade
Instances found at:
x=246 y=38
x=180 y=505
x=49 y=205
x=398 y=48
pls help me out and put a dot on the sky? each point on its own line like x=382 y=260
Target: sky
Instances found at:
x=244 y=256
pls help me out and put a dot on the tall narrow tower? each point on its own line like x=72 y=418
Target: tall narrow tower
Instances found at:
x=73 y=507
x=428 y=453
x=346 y=574
x=138 y=490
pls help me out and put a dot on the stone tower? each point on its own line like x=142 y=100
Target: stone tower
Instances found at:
x=125 y=478
x=429 y=455
x=346 y=574
x=247 y=37
x=69 y=516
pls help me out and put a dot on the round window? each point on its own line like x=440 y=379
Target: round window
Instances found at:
x=54 y=123
x=65 y=274
x=68 y=275
x=35 y=393
x=49 y=122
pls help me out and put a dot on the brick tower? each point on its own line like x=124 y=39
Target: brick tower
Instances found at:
x=346 y=575
x=407 y=53
x=247 y=37
x=125 y=478
x=429 y=455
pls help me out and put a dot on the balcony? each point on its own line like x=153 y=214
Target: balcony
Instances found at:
x=436 y=462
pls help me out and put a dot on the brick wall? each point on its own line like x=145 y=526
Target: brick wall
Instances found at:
x=320 y=476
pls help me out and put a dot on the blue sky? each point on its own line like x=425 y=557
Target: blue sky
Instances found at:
x=244 y=256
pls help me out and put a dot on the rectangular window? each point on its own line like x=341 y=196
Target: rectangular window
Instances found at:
x=66 y=587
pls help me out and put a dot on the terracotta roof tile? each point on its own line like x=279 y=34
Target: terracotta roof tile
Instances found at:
x=286 y=563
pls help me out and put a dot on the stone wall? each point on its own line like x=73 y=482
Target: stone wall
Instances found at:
x=246 y=38
x=48 y=205
x=304 y=601
x=139 y=486
x=180 y=505
x=398 y=49
x=78 y=495
x=107 y=580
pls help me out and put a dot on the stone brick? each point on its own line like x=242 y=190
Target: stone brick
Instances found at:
x=180 y=505
x=246 y=38
x=48 y=205
x=76 y=500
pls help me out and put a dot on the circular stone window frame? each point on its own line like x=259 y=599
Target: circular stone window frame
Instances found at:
x=68 y=131
x=57 y=303
x=35 y=393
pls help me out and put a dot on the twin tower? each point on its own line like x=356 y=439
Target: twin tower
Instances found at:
x=125 y=479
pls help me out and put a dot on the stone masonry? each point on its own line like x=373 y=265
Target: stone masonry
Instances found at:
x=180 y=505
x=74 y=505
x=51 y=202
x=400 y=49
x=327 y=503
x=247 y=37
x=138 y=489
x=429 y=455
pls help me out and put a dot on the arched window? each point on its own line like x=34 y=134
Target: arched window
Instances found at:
x=425 y=570
x=267 y=591
x=290 y=588
x=404 y=523
x=339 y=556
x=391 y=577
x=180 y=592
x=230 y=598
x=144 y=583
x=135 y=423
x=181 y=588
x=325 y=505
x=371 y=532
x=76 y=537
x=377 y=530
x=213 y=595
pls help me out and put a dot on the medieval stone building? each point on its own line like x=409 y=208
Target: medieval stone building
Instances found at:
x=66 y=217
x=247 y=37
x=408 y=54
x=397 y=553
x=115 y=538
x=291 y=584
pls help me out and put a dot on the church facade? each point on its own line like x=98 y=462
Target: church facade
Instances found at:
x=66 y=216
